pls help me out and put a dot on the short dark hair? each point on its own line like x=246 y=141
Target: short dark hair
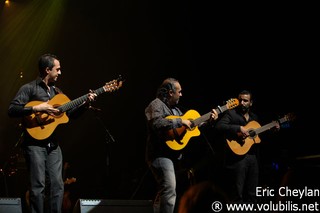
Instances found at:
x=46 y=60
x=165 y=87
x=246 y=92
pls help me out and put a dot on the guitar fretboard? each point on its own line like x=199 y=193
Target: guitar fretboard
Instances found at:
x=78 y=101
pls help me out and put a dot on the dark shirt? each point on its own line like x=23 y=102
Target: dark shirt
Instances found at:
x=35 y=90
x=229 y=125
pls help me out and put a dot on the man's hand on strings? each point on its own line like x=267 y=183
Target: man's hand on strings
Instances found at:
x=92 y=96
x=46 y=108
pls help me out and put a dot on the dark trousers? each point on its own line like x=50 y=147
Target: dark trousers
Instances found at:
x=244 y=177
x=45 y=170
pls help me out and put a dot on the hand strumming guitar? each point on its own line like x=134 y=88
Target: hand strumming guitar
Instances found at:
x=46 y=108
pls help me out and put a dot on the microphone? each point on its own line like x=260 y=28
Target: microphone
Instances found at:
x=95 y=109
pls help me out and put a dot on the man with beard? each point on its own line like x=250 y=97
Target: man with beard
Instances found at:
x=162 y=160
x=242 y=171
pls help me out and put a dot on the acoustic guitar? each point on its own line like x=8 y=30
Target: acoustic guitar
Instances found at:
x=41 y=125
x=241 y=146
x=178 y=138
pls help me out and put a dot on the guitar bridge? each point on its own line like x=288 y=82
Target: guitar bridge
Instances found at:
x=177 y=137
x=39 y=121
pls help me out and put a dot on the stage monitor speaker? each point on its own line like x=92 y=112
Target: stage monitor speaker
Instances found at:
x=113 y=206
x=10 y=205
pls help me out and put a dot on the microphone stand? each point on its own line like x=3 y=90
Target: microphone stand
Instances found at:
x=108 y=137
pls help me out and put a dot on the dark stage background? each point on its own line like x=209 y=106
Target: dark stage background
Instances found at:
x=214 y=50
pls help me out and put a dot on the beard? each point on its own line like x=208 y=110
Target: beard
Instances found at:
x=244 y=109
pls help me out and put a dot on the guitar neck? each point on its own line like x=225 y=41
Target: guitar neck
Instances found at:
x=266 y=127
x=271 y=125
x=78 y=101
x=207 y=116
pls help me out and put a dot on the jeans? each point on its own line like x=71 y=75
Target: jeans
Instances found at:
x=164 y=173
x=45 y=170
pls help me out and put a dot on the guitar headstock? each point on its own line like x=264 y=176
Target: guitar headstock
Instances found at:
x=284 y=121
x=70 y=180
x=232 y=103
x=114 y=84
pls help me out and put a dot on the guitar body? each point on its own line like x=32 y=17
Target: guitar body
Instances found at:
x=242 y=146
x=41 y=125
x=180 y=137
x=67 y=202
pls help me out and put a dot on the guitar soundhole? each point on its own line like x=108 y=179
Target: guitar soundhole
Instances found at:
x=58 y=115
x=252 y=133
